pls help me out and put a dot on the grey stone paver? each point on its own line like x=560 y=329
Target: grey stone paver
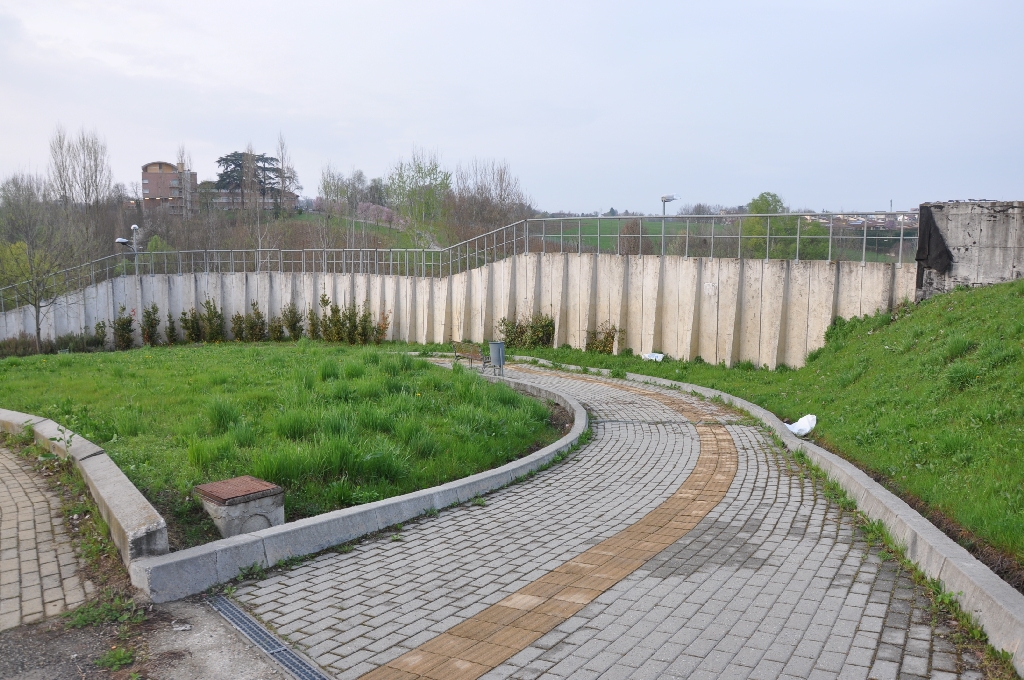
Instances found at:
x=775 y=582
x=38 y=568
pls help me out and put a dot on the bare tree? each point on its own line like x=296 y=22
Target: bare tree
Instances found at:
x=288 y=179
x=256 y=224
x=83 y=186
x=34 y=244
x=330 y=203
x=485 y=195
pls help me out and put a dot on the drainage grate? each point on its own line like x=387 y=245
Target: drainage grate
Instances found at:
x=265 y=640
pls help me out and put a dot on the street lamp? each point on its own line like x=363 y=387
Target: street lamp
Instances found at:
x=666 y=199
x=133 y=244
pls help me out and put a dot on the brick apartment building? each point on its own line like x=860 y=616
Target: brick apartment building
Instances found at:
x=169 y=185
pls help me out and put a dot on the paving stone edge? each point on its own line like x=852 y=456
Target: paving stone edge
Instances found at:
x=179 y=574
x=993 y=603
x=136 y=528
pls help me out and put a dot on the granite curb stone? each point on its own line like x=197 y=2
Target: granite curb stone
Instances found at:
x=993 y=603
x=136 y=528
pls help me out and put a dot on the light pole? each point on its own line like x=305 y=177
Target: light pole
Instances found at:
x=133 y=244
x=666 y=199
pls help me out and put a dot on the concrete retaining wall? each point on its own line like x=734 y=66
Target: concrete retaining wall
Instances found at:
x=721 y=309
x=136 y=528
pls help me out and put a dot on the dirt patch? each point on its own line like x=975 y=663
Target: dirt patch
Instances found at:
x=562 y=419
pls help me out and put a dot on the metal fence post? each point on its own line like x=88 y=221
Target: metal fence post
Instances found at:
x=686 y=254
x=768 y=238
x=797 y=239
x=712 y=237
x=899 y=264
x=739 y=240
x=831 y=219
x=864 y=247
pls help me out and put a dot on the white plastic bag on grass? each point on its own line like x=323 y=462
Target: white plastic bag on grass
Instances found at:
x=803 y=426
x=652 y=356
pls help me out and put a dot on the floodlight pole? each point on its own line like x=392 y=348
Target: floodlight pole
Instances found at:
x=665 y=200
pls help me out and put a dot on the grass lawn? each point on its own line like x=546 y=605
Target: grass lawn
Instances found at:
x=931 y=402
x=335 y=425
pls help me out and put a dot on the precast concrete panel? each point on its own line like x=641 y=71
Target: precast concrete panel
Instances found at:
x=527 y=284
x=773 y=297
x=479 y=299
x=460 y=293
x=652 y=317
x=707 y=347
x=669 y=311
x=362 y=288
x=389 y=288
x=690 y=292
x=821 y=306
x=633 y=301
x=580 y=294
x=798 y=300
x=407 y=295
x=750 y=311
x=503 y=281
x=553 y=293
x=904 y=283
x=424 y=310
x=876 y=289
x=730 y=278
x=376 y=296
x=160 y=294
x=851 y=274
x=442 y=309
x=611 y=284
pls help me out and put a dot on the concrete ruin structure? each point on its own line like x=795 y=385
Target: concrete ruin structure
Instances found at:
x=985 y=240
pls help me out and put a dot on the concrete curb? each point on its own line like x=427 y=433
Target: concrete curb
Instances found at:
x=993 y=603
x=136 y=528
x=187 y=572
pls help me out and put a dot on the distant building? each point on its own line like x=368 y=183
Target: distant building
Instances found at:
x=231 y=199
x=170 y=186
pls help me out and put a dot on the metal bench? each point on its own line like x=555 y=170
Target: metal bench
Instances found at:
x=467 y=350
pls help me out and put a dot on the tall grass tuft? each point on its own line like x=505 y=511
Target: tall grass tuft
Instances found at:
x=294 y=424
x=222 y=415
x=354 y=370
x=329 y=370
x=127 y=422
x=958 y=346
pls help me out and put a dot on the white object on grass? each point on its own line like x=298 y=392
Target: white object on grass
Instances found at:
x=803 y=426
x=652 y=356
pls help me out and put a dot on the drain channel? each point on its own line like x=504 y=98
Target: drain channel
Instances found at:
x=265 y=640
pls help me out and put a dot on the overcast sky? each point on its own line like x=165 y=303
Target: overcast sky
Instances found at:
x=832 y=105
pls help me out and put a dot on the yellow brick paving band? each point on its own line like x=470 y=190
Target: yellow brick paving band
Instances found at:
x=484 y=641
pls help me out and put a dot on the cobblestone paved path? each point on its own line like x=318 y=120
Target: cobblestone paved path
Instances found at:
x=679 y=543
x=38 y=567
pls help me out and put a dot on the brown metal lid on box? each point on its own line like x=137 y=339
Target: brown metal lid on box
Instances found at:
x=237 y=490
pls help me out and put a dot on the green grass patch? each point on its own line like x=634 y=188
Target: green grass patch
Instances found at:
x=930 y=397
x=335 y=425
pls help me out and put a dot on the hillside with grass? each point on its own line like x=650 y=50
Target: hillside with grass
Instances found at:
x=928 y=399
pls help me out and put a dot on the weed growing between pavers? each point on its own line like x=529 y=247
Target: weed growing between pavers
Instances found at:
x=966 y=633
x=336 y=426
x=897 y=393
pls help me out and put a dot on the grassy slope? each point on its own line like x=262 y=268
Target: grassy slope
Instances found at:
x=335 y=425
x=932 y=401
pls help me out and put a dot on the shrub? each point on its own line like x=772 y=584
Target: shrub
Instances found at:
x=349 y=329
x=192 y=325
x=150 y=325
x=238 y=326
x=275 y=329
x=100 y=332
x=380 y=329
x=124 y=328
x=171 y=331
x=212 y=322
x=365 y=333
x=527 y=333
x=291 y=317
x=314 y=325
x=255 y=324
x=602 y=340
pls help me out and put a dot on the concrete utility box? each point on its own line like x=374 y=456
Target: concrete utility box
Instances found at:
x=242 y=505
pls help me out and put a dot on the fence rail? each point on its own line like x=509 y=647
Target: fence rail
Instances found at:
x=875 y=237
